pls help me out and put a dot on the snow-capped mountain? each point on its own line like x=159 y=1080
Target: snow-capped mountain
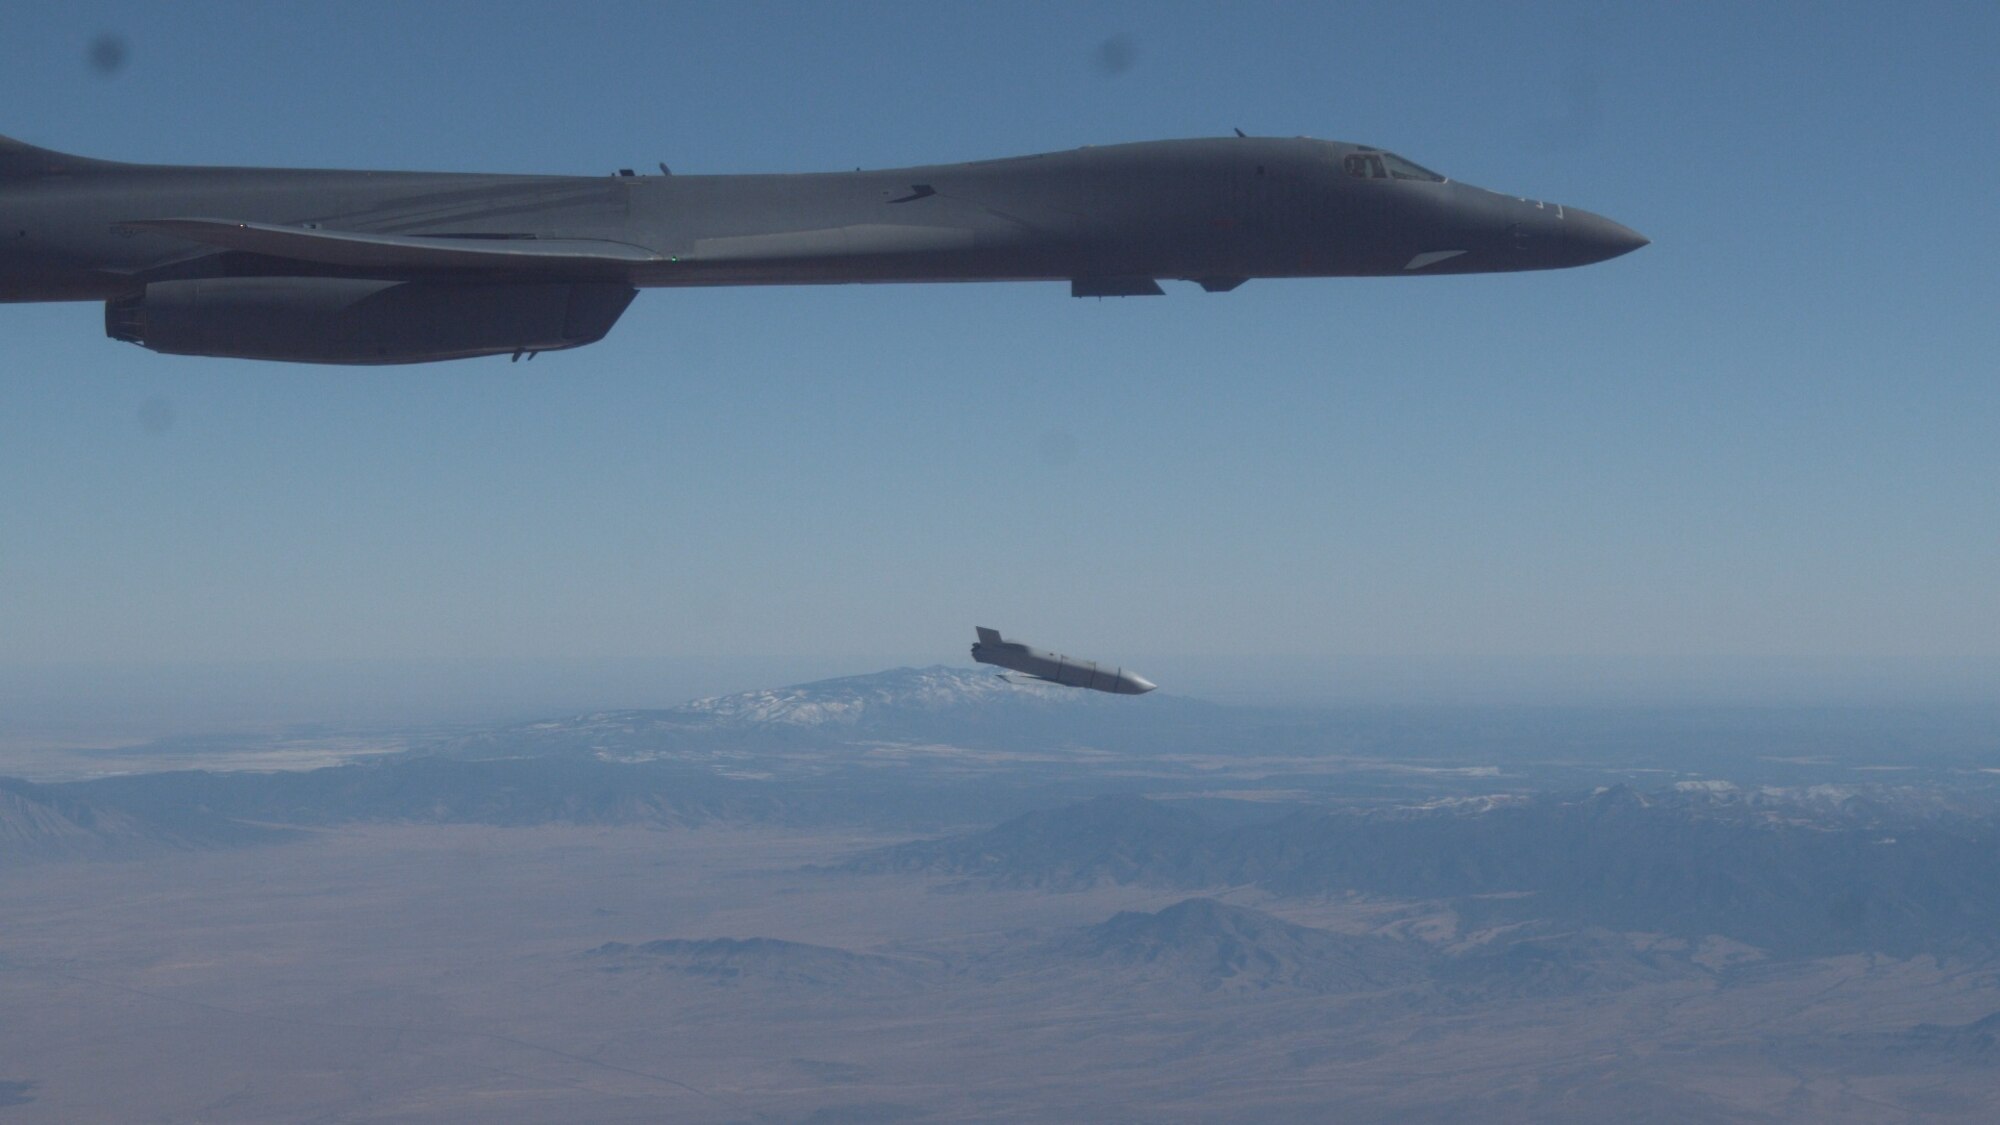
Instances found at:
x=851 y=700
x=935 y=705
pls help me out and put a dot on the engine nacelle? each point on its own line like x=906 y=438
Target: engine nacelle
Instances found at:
x=362 y=321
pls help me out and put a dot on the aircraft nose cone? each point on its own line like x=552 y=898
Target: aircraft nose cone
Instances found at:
x=1545 y=236
x=1594 y=238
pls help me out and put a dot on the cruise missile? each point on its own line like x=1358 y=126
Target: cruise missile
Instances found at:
x=1054 y=667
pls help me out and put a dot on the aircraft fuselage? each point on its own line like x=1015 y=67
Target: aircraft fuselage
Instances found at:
x=178 y=252
x=1225 y=208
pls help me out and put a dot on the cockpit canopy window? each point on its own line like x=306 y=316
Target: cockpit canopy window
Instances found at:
x=1371 y=164
x=1402 y=169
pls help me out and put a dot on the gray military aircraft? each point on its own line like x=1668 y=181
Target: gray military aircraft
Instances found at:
x=1054 y=667
x=408 y=267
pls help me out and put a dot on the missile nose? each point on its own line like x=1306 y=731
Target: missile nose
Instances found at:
x=1139 y=685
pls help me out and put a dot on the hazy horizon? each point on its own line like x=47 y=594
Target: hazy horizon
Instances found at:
x=142 y=701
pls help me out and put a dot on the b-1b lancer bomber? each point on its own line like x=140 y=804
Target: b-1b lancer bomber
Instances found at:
x=408 y=267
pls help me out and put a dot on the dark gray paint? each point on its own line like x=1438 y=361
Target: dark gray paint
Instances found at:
x=1111 y=221
x=1054 y=667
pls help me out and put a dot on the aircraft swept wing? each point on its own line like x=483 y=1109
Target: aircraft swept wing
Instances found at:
x=397 y=252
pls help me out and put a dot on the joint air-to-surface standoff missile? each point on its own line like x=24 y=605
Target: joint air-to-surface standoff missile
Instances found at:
x=1054 y=667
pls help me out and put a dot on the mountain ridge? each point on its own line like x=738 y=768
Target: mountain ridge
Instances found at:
x=1615 y=858
x=40 y=822
x=1218 y=946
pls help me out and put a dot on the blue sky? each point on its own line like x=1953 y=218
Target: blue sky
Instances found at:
x=1769 y=437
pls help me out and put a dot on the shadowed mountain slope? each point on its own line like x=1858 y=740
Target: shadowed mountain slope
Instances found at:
x=1979 y=1039
x=39 y=822
x=1219 y=946
x=1561 y=963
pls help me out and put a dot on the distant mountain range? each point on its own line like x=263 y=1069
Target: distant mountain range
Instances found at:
x=1198 y=945
x=967 y=722
x=1818 y=868
x=1793 y=874
x=40 y=822
x=1678 y=862
x=956 y=706
x=842 y=719
x=1217 y=946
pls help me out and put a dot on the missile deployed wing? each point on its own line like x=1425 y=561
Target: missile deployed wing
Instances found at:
x=401 y=252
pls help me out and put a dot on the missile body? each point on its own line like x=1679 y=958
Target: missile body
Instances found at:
x=1056 y=668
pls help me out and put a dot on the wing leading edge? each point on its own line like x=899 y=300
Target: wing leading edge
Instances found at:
x=400 y=252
